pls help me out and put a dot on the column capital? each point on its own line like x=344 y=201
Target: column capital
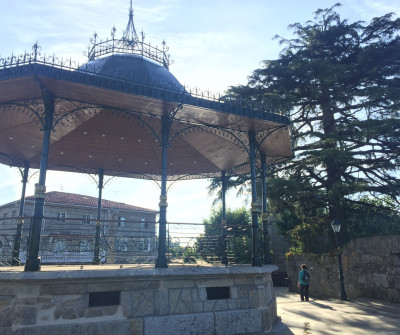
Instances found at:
x=163 y=201
x=40 y=191
x=256 y=207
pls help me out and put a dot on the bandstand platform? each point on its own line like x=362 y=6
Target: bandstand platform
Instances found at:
x=129 y=299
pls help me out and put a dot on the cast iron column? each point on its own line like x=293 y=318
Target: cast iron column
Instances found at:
x=33 y=260
x=255 y=208
x=267 y=255
x=162 y=261
x=224 y=258
x=17 y=239
x=96 y=256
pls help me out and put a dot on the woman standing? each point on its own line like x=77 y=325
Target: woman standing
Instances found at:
x=304 y=282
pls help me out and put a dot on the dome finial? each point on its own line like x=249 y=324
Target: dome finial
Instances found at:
x=128 y=44
x=130 y=37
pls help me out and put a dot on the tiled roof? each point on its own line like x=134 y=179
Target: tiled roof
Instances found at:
x=84 y=200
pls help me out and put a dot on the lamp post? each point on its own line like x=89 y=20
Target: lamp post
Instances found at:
x=336 y=228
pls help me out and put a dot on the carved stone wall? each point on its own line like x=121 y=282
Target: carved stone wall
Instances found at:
x=371 y=268
x=150 y=301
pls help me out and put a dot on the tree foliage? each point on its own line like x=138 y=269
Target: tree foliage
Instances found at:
x=237 y=235
x=342 y=83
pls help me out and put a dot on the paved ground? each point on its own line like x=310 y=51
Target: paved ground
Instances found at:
x=326 y=317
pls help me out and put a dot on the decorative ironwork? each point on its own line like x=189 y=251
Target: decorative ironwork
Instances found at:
x=31 y=64
x=128 y=44
x=71 y=242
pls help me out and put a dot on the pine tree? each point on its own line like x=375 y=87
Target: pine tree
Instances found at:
x=342 y=83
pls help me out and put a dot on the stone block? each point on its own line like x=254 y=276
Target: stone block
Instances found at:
x=94 y=312
x=234 y=292
x=198 y=306
x=143 y=303
x=238 y=322
x=253 y=298
x=215 y=282
x=62 y=289
x=7 y=306
x=178 y=283
x=380 y=280
x=127 y=285
x=137 y=326
x=242 y=303
x=180 y=301
x=217 y=305
x=20 y=290
x=126 y=302
x=24 y=315
x=261 y=280
x=70 y=307
x=268 y=319
x=183 y=324
x=5 y=330
x=162 y=302
x=26 y=301
x=244 y=281
x=262 y=296
x=202 y=293
x=110 y=310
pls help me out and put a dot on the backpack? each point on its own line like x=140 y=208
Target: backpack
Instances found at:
x=306 y=276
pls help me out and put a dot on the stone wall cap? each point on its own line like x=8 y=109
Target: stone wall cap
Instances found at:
x=122 y=271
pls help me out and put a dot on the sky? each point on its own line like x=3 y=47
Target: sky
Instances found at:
x=214 y=44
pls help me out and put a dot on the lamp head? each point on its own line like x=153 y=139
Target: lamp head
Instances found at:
x=336 y=225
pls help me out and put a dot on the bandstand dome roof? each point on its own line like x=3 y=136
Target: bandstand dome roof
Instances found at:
x=108 y=115
x=134 y=67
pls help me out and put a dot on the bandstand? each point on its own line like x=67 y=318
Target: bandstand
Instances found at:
x=124 y=114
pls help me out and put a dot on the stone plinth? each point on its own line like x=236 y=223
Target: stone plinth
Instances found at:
x=138 y=300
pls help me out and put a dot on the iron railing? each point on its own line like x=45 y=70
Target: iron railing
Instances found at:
x=71 y=241
x=16 y=66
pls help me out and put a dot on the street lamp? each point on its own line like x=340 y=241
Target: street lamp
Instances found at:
x=336 y=228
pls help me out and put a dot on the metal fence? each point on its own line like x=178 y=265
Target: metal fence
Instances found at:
x=72 y=241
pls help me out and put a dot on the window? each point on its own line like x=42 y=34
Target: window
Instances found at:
x=61 y=216
x=143 y=224
x=86 y=218
x=122 y=244
x=144 y=244
x=84 y=245
x=121 y=221
x=14 y=214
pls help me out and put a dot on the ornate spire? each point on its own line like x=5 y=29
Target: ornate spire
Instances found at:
x=130 y=37
x=128 y=44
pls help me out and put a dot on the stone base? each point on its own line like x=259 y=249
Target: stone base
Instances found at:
x=178 y=300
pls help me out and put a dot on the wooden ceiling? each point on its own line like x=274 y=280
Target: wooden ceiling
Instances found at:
x=118 y=129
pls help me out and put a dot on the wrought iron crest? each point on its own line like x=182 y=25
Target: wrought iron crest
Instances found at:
x=128 y=44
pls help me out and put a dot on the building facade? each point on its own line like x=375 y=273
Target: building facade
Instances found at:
x=127 y=233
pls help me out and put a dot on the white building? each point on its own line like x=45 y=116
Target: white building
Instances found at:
x=128 y=233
